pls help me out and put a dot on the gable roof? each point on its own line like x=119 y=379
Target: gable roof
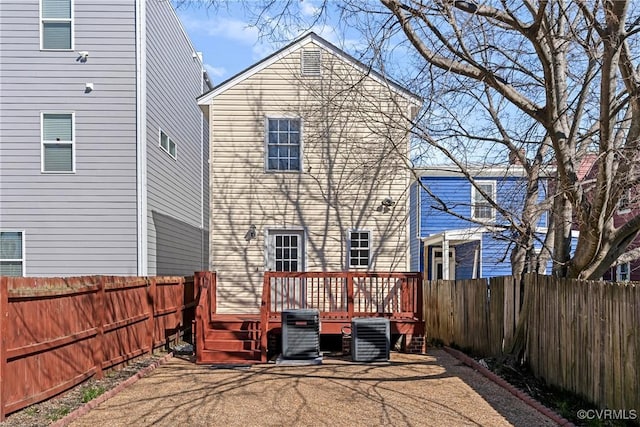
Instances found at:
x=207 y=97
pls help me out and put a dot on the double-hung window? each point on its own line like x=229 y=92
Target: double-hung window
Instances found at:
x=623 y=272
x=168 y=145
x=359 y=252
x=56 y=25
x=624 y=202
x=283 y=144
x=11 y=253
x=481 y=209
x=58 y=142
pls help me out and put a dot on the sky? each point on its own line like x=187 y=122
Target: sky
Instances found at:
x=228 y=42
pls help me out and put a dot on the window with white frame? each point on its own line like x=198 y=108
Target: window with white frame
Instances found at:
x=310 y=62
x=168 y=145
x=624 y=202
x=58 y=142
x=56 y=26
x=11 y=253
x=623 y=272
x=283 y=144
x=480 y=207
x=359 y=248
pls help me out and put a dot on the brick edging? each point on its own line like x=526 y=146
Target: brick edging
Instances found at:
x=110 y=393
x=555 y=417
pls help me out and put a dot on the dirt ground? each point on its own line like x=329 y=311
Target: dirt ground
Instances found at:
x=410 y=390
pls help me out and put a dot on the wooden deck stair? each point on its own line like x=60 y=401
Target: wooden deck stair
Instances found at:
x=231 y=339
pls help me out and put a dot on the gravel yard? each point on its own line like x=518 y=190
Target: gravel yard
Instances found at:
x=411 y=390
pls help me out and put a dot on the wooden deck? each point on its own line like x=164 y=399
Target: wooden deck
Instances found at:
x=338 y=296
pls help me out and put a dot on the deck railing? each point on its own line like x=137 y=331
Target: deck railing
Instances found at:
x=341 y=295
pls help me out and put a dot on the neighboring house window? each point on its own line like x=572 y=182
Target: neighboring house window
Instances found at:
x=283 y=145
x=310 y=62
x=624 y=203
x=623 y=272
x=481 y=208
x=11 y=254
x=168 y=145
x=57 y=24
x=57 y=142
x=359 y=248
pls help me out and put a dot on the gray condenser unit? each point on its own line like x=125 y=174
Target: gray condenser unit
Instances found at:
x=300 y=334
x=370 y=339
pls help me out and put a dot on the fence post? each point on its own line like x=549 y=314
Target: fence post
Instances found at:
x=151 y=298
x=4 y=308
x=99 y=349
x=265 y=310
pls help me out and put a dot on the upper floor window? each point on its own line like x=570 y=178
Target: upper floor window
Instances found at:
x=310 y=62
x=623 y=272
x=56 y=24
x=480 y=207
x=283 y=145
x=57 y=142
x=11 y=254
x=359 y=252
x=168 y=145
x=624 y=202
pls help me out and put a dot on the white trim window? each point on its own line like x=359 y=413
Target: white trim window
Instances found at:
x=284 y=144
x=481 y=209
x=168 y=145
x=12 y=253
x=310 y=62
x=58 y=145
x=359 y=249
x=623 y=272
x=624 y=202
x=56 y=24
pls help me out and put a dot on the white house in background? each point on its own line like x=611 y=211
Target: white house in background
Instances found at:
x=308 y=169
x=103 y=149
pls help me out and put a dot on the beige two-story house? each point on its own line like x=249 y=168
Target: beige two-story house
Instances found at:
x=308 y=169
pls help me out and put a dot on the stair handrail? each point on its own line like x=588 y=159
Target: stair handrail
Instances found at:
x=205 y=282
x=265 y=313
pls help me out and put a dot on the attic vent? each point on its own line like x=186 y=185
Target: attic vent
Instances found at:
x=310 y=62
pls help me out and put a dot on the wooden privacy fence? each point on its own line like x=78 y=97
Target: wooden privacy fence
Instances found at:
x=582 y=336
x=473 y=314
x=57 y=332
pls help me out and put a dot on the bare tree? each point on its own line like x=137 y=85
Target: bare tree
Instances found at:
x=553 y=84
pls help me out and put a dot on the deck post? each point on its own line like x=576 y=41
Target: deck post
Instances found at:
x=350 y=294
x=265 y=309
x=201 y=286
x=4 y=308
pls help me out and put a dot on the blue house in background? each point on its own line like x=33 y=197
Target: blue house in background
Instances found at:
x=471 y=240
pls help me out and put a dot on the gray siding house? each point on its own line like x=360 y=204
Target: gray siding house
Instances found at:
x=103 y=149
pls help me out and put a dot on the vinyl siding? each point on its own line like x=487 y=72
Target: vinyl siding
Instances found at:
x=455 y=192
x=81 y=223
x=176 y=188
x=348 y=169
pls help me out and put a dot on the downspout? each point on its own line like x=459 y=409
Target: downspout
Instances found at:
x=141 y=137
